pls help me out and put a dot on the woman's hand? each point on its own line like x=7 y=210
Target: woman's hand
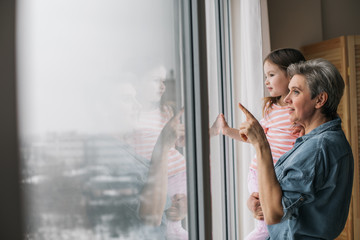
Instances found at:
x=178 y=209
x=251 y=131
x=173 y=132
x=253 y=203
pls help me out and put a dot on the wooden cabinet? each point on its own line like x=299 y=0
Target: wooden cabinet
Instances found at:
x=344 y=53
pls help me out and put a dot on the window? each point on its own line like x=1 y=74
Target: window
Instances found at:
x=223 y=181
x=90 y=75
x=98 y=84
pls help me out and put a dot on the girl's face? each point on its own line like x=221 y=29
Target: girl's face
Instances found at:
x=276 y=80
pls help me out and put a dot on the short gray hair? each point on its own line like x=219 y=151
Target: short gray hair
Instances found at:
x=321 y=76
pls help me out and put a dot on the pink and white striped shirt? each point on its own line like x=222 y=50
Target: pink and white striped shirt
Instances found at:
x=146 y=134
x=278 y=130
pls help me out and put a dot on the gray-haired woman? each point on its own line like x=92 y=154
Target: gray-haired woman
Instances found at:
x=306 y=195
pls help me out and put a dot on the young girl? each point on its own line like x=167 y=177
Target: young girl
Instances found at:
x=280 y=132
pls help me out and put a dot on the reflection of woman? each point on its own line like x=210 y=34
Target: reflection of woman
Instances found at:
x=158 y=130
x=307 y=194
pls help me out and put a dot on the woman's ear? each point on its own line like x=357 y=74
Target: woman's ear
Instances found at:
x=321 y=99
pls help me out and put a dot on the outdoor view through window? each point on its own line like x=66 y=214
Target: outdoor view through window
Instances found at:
x=101 y=120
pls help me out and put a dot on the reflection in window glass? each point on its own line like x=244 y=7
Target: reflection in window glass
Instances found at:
x=100 y=122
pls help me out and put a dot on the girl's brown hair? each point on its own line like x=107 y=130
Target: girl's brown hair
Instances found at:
x=283 y=58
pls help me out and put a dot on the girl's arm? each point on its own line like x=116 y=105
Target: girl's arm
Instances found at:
x=232 y=133
x=221 y=126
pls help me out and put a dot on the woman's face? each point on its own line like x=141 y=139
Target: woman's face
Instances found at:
x=302 y=107
x=276 y=80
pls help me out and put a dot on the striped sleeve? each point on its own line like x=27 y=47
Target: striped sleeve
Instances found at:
x=146 y=134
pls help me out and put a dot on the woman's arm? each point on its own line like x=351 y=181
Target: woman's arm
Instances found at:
x=154 y=193
x=270 y=192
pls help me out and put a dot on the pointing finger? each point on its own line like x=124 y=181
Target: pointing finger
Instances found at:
x=179 y=114
x=246 y=112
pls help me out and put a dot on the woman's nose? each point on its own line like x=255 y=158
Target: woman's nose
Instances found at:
x=287 y=98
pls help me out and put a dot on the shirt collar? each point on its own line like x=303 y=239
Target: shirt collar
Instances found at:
x=333 y=124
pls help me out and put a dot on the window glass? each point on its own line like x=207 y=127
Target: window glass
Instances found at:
x=221 y=101
x=215 y=103
x=101 y=126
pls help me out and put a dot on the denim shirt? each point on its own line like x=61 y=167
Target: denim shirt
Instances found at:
x=316 y=179
x=139 y=166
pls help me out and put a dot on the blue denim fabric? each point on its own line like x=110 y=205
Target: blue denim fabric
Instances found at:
x=316 y=178
x=139 y=166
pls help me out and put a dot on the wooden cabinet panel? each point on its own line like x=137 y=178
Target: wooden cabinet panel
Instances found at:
x=353 y=43
x=344 y=53
x=334 y=50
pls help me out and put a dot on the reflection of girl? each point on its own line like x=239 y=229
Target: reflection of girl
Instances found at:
x=276 y=124
x=152 y=119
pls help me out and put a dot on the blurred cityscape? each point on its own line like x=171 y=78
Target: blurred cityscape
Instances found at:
x=80 y=187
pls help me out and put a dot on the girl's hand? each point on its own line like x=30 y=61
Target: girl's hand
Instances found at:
x=254 y=206
x=298 y=130
x=218 y=126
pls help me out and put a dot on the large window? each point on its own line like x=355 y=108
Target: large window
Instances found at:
x=111 y=102
x=102 y=135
